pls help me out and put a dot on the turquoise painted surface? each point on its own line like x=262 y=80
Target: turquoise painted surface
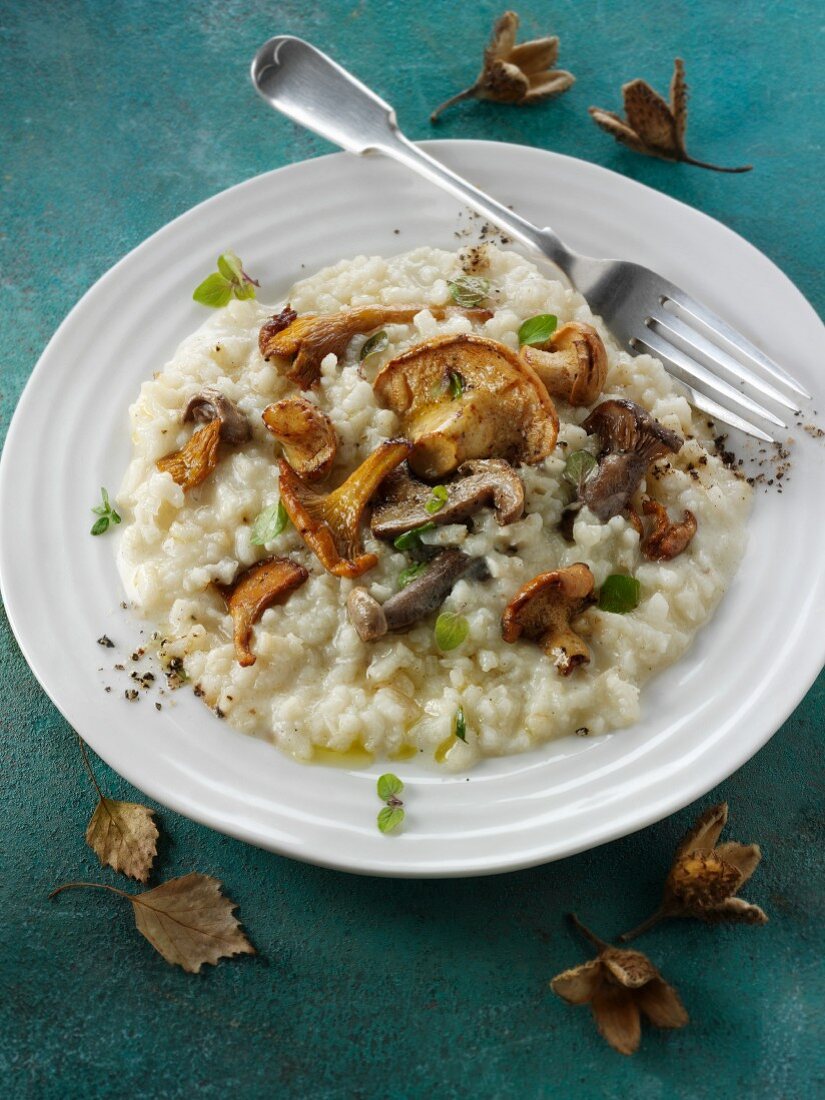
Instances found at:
x=116 y=117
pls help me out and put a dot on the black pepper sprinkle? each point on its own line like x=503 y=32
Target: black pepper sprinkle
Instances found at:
x=582 y=731
x=106 y=642
x=119 y=668
x=158 y=706
x=131 y=694
x=107 y=688
x=136 y=656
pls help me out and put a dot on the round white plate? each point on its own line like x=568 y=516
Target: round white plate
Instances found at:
x=701 y=719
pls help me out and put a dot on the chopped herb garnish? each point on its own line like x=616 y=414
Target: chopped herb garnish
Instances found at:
x=469 y=290
x=229 y=281
x=450 y=630
x=619 y=594
x=437 y=500
x=461 y=725
x=411 y=572
x=377 y=342
x=578 y=467
x=389 y=787
x=538 y=329
x=411 y=540
x=390 y=818
x=456 y=384
x=105 y=513
x=269 y=524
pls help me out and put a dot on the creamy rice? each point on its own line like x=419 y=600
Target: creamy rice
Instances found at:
x=315 y=685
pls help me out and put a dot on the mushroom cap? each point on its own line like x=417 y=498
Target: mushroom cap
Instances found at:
x=543 y=609
x=306 y=433
x=477 y=484
x=572 y=364
x=196 y=460
x=252 y=592
x=366 y=615
x=667 y=539
x=503 y=411
x=210 y=404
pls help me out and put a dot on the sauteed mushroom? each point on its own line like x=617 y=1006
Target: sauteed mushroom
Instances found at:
x=252 y=592
x=667 y=539
x=543 y=610
x=502 y=410
x=195 y=461
x=572 y=364
x=307 y=434
x=210 y=404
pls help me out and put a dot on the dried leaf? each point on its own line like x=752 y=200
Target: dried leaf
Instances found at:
x=124 y=836
x=187 y=920
x=522 y=74
x=705 y=876
x=652 y=126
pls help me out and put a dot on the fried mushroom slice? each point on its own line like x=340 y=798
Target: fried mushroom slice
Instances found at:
x=252 y=592
x=194 y=462
x=485 y=482
x=572 y=364
x=307 y=435
x=308 y=339
x=543 y=610
x=499 y=409
x=329 y=523
x=418 y=599
x=630 y=439
x=667 y=540
x=210 y=404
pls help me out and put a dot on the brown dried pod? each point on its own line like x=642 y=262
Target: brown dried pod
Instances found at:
x=620 y=986
x=520 y=74
x=706 y=875
x=652 y=126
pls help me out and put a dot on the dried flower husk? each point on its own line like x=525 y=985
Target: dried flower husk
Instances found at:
x=706 y=876
x=520 y=74
x=652 y=126
x=620 y=986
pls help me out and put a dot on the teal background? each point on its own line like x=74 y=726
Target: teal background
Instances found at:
x=115 y=117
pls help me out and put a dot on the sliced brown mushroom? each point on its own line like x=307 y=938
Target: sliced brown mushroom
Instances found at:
x=478 y=484
x=306 y=340
x=667 y=539
x=501 y=409
x=210 y=404
x=252 y=592
x=630 y=439
x=196 y=460
x=543 y=611
x=329 y=523
x=307 y=434
x=421 y=596
x=572 y=364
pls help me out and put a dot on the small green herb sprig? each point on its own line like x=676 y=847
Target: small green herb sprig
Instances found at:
x=106 y=515
x=269 y=524
x=619 y=594
x=460 y=725
x=469 y=290
x=411 y=572
x=229 y=281
x=377 y=342
x=450 y=630
x=455 y=384
x=411 y=540
x=438 y=498
x=538 y=329
x=389 y=787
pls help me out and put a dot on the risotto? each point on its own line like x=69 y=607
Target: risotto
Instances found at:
x=338 y=661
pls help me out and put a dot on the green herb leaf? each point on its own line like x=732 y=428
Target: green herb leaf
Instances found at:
x=538 y=329
x=411 y=540
x=229 y=280
x=461 y=725
x=619 y=594
x=269 y=524
x=456 y=384
x=214 y=291
x=437 y=500
x=450 y=630
x=469 y=290
x=106 y=512
x=230 y=267
x=388 y=786
x=390 y=818
x=243 y=290
x=411 y=572
x=377 y=342
x=578 y=467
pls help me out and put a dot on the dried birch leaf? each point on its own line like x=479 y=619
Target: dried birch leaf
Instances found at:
x=124 y=836
x=652 y=126
x=187 y=920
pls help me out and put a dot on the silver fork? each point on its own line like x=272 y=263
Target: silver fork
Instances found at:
x=723 y=373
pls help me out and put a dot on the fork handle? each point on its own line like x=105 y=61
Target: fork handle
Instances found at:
x=312 y=89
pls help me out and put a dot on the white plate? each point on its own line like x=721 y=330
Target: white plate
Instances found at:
x=701 y=719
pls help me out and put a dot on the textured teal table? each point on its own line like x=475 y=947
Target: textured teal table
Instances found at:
x=116 y=117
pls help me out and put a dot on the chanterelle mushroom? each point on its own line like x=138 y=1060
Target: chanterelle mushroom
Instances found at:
x=543 y=610
x=329 y=523
x=251 y=593
x=631 y=439
x=667 y=539
x=306 y=340
x=478 y=484
x=420 y=597
x=307 y=434
x=210 y=404
x=572 y=364
x=500 y=409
